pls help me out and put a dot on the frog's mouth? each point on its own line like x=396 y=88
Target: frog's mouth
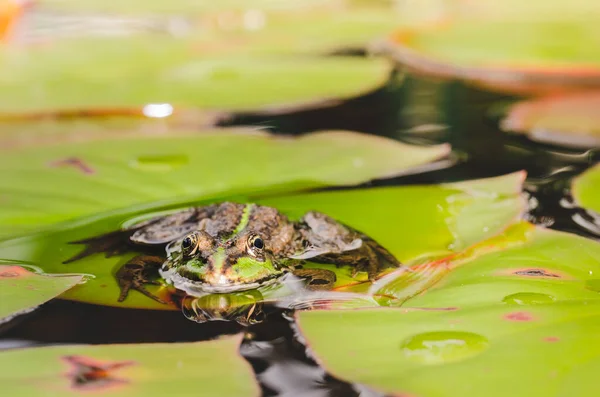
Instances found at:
x=222 y=285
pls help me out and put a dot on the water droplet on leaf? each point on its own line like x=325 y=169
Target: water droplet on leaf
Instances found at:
x=160 y=163
x=443 y=346
x=528 y=298
x=593 y=285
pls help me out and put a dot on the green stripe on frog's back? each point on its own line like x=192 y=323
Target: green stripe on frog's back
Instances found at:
x=244 y=219
x=220 y=262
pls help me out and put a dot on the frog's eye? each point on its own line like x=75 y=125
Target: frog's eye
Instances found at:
x=258 y=243
x=255 y=243
x=189 y=244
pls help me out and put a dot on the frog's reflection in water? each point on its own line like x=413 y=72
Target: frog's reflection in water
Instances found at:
x=245 y=308
x=252 y=307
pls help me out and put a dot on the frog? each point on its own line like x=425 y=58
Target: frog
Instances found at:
x=232 y=246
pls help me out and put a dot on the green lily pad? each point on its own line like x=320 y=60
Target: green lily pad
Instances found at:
x=42 y=184
x=527 y=311
x=230 y=56
x=212 y=368
x=514 y=46
x=258 y=27
x=398 y=217
x=180 y=6
x=21 y=291
x=567 y=120
x=586 y=189
x=133 y=72
x=398 y=220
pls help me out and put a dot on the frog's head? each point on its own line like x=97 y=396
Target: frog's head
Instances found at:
x=224 y=264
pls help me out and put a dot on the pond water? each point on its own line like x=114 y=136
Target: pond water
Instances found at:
x=409 y=108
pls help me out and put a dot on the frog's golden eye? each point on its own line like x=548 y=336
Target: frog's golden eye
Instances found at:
x=189 y=244
x=255 y=244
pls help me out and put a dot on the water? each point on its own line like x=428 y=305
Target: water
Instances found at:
x=418 y=111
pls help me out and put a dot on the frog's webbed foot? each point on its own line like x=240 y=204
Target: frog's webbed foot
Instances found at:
x=134 y=275
x=316 y=279
x=373 y=258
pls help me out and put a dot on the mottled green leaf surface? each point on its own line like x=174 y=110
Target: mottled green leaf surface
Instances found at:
x=397 y=217
x=521 y=320
x=212 y=368
x=46 y=183
x=22 y=291
x=586 y=189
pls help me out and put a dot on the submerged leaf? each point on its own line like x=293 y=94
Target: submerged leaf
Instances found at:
x=527 y=311
x=212 y=368
x=21 y=290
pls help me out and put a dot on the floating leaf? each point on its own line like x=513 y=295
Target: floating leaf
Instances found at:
x=586 y=189
x=396 y=217
x=181 y=6
x=134 y=72
x=567 y=120
x=399 y=217
x=42 y=184
x=212 y=368
x=259 y=27
x=513 y=46
x=21 y=291
x=527 y=312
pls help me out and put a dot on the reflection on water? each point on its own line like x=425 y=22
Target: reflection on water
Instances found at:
x=245 y=308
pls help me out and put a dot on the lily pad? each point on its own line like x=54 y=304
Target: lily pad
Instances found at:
x=586 y=189
x=566 y=120
x=527 y=312
x=42 y=184
x=212 y=368
x=450 y=215
x=399 y=220
x=21 y=291
x=180 y=6
x=136 y=71
x=257 y=27
x=512 y=46
x=229 y=56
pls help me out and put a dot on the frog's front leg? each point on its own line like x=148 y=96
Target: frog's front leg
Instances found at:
x=316 y=279
x=135 y=273
x=333 y=242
